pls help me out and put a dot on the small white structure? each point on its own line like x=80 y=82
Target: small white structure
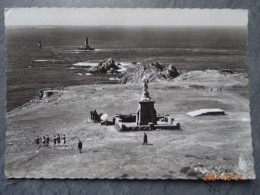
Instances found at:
x=213 y=111
x=104 y=117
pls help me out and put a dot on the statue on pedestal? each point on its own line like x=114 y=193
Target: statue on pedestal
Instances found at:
x=146 y=113
x=145 y=93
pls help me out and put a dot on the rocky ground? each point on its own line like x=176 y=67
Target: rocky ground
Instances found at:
x=207 y=144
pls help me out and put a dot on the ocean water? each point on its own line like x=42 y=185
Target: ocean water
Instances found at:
x=29 y=68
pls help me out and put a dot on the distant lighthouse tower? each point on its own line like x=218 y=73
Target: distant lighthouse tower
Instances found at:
x=146 y=112
x=86 y=43
x=39 y=44
x=86 y=46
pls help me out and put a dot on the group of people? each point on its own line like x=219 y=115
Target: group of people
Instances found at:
x=218 y=89
x=46 y=140
x=57 y=140
x=95 y=116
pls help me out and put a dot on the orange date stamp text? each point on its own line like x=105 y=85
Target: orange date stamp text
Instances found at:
x=225 y=177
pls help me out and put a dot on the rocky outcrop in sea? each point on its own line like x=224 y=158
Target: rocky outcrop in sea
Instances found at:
x=154 y=72
x=105 y=66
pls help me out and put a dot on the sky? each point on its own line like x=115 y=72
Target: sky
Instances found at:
x=125 y=16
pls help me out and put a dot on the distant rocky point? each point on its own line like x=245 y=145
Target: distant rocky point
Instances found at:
x=153 y=72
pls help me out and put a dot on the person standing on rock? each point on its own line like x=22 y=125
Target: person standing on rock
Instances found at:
x=47 y=141
x=64 y=140
x=145 y=139
x=80 y=146
x=54 y=140
x=58 y=139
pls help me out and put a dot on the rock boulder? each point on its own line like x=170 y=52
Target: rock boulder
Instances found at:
x=105 y=66
x=153 y=72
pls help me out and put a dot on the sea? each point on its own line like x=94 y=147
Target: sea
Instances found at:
x=29 y=68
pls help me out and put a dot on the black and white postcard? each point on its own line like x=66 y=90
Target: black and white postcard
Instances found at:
x=127 y=93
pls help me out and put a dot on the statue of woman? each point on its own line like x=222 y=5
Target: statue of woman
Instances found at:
x=145 y=84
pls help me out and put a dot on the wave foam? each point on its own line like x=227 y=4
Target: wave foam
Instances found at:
x=88 y=74
x=114 y=79
x=48 y=60
x=124 y=66
x=87 y=64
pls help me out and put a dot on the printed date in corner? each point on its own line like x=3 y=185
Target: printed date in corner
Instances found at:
x=225 y=177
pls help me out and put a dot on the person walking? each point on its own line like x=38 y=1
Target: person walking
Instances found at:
x=91 y=115
x=58 y=139
x=54 y=140
x=145 y=139
x=43 y=140
x=37 y=141
x=64 y=140
x=47 y=140
x=80 y=146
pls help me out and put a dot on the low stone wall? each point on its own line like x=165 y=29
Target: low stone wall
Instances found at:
x=127 y=118
x=176 y=126
x=167 y=125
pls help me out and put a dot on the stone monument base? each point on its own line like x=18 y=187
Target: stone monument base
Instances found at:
x=129 y=124
x=146 y=113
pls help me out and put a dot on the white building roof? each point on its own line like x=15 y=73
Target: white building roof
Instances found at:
x=205 y=112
